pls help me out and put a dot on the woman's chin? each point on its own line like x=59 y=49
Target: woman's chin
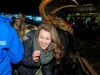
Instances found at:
x=43 y=48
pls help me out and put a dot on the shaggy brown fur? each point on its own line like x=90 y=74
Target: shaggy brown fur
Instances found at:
x=58 y=22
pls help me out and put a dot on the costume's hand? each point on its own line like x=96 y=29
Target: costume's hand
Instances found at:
x=36 y=55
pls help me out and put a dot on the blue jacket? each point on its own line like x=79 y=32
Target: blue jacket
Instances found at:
x=11 y=48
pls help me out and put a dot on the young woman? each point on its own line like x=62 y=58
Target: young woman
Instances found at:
x=18 y=26
x=41 y=49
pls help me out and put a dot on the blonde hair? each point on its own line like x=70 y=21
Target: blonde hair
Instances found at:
x=25 y=30
x=57 y=47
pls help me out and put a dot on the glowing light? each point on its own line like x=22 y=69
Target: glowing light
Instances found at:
x=30 y=17
x=16 y=15
x=38 y=19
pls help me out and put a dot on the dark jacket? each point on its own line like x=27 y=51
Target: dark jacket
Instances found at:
x=28 y=66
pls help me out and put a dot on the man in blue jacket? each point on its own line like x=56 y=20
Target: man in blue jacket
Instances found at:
x=11 y=48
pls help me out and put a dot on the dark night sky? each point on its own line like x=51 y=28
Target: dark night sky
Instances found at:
x=25 y=6
x=15 y=6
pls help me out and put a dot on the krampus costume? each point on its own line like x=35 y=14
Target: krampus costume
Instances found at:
x=67 y=38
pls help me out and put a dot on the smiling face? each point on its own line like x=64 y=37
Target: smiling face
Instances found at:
x=18 y=22
x=44 y=39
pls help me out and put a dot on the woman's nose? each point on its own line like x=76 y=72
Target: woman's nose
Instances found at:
x=43 y=41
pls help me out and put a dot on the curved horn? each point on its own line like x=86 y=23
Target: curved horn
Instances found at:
x=75 y=1
x=41 y=9
x=57 y=9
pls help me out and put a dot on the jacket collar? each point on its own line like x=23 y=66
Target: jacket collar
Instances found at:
x=30 y=34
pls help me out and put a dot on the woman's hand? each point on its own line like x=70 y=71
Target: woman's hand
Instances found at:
x=36 y=55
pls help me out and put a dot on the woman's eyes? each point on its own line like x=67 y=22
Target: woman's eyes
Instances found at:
x=46 y=38
x=41 y=37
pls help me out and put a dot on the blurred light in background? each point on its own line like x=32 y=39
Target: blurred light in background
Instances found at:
x=38 y=19
x=29 y=16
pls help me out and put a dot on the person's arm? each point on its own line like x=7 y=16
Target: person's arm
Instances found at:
x=28 y=60
x=16 y=50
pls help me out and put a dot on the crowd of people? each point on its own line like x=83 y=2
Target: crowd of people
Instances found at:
x=27 y=49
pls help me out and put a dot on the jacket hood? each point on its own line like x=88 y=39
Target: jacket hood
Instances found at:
x=5 y=18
